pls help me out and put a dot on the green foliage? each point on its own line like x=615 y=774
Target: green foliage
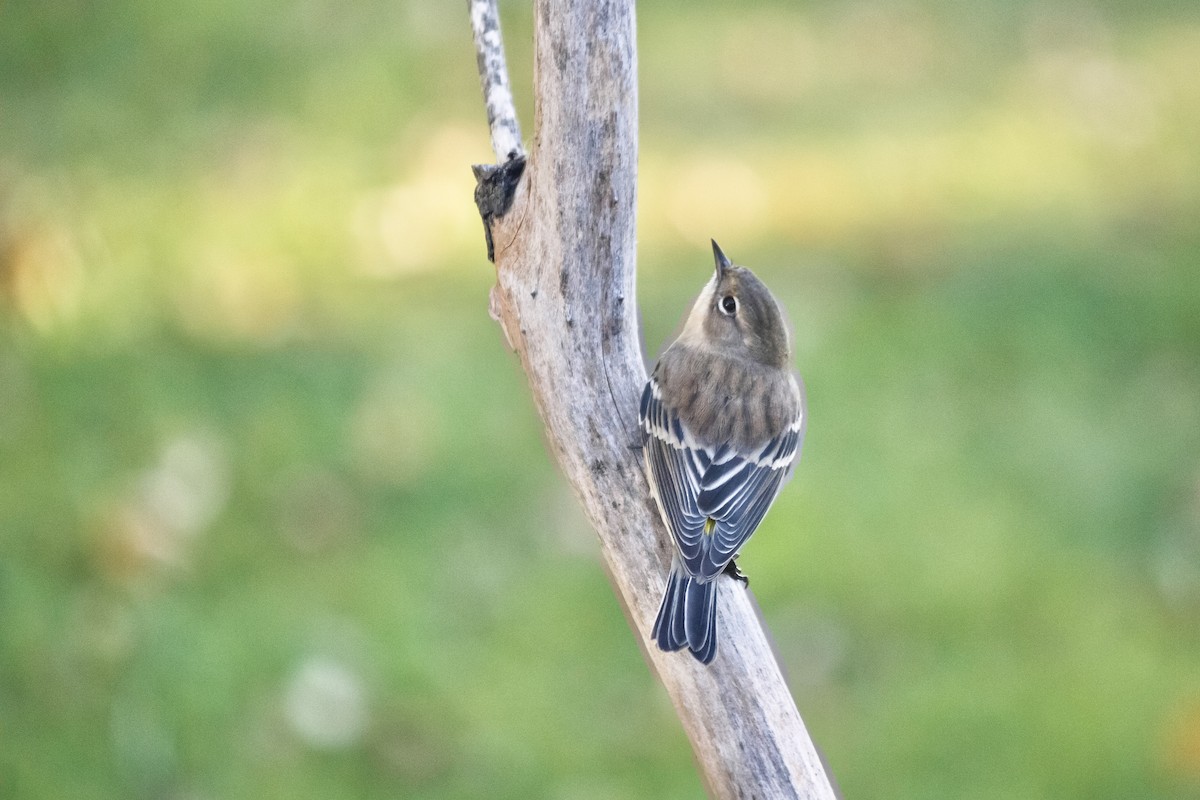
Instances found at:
x=276 y=517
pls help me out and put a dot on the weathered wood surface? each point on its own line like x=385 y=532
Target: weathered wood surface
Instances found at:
x=565 y=267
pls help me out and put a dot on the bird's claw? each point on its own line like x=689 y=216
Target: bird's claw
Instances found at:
x=731 y=569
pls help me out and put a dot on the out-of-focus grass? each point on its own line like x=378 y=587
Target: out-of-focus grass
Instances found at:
x=275 y=514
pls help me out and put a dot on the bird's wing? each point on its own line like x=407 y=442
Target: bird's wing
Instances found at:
x=672 y=466
x=735 y=491
x=695 y=484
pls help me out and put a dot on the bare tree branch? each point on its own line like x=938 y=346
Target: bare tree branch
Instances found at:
x=565 y=267
x=493 y=75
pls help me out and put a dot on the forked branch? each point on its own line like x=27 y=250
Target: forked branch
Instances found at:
x=564 y=245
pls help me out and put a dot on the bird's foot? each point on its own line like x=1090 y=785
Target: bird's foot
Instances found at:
x=731 y=569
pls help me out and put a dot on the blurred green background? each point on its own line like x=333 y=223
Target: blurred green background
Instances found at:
x=276 y=517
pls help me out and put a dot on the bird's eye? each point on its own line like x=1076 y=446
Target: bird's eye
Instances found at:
x=729 y=305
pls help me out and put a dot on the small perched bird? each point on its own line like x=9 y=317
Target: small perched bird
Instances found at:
x=722 y=421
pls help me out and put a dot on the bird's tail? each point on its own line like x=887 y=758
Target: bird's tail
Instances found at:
x=688 y=616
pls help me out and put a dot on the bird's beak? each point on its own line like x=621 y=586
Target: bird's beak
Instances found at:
x=723 y=262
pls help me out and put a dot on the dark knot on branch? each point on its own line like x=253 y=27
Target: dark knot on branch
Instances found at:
x=495 y=186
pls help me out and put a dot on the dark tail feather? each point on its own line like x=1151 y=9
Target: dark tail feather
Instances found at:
x=688 y=617
x=668 y=627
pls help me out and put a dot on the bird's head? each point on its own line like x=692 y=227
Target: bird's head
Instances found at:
x=736 y=313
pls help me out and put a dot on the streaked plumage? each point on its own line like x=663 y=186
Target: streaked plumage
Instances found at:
x=722 y=421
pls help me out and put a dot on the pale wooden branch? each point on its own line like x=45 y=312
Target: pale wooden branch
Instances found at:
x=564 y=253
x=493 y=76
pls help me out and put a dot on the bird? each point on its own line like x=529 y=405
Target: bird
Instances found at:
x=722 y=420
